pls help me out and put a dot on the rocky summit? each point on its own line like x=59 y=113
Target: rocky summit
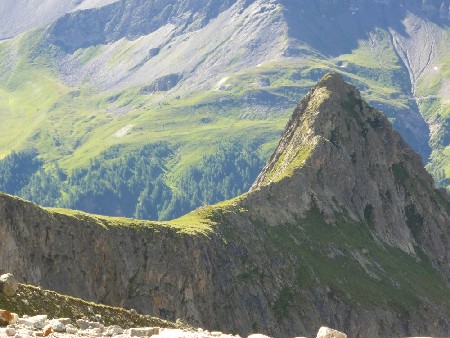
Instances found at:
x=343 y=156
x=343 y=228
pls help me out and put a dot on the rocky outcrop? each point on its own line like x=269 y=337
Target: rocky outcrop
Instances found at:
x=163 y=84
x=343 y=228
x=343 y=155
x=7 y=317
x=8 y=285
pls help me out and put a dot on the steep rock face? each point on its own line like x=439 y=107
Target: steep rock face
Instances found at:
x=302 y=249
x=130 y=19
x=352 y=160
x=354 y=18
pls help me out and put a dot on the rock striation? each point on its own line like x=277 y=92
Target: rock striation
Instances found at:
x=342 y=228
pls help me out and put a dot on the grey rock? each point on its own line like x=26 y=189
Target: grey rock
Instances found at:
x=10 y=332
x=37 y=322
x=85 y=324
x=65 y=321
x=114 y=330
x=58 y=326
x=8 y=284
x=144 y=332
x=70 y=329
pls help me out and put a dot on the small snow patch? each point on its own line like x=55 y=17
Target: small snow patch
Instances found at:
x=220 y=84
x=123 y=131
x=222 y=81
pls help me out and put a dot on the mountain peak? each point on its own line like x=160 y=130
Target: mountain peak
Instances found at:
x=317 y=117
x=333 y=81
x=341 y=155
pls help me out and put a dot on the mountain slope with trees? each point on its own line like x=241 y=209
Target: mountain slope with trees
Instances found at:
x=123 y=76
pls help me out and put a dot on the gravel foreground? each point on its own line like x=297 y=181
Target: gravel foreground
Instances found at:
x=26 y=303
x=41 y=326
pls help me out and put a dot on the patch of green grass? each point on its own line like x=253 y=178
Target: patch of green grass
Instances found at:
x=369 y=215
x=374 y=56
x=198 y=222
x=386 y=277
x=283 y=302
x=286 y=167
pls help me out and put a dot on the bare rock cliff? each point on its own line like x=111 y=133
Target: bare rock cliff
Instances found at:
x=342 y=154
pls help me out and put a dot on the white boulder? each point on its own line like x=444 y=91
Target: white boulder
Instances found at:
x=326 y=332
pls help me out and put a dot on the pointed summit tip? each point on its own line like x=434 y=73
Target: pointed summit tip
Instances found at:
x=335 y=84
x=331 y=78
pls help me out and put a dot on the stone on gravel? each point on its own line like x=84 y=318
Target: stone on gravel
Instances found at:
x=144 y=332
x=97 y=330
x=70 y=329
x=114 y=330
x=7 y=318
x=58 y=326
x=65 y=321
x=326 y=332
x=8 y=284
x=37 y=322
x=27 y=327
x=10 y=332
x=85 y=325
x=47 y=330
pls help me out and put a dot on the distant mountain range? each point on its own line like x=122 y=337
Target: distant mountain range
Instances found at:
x=198 y=92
